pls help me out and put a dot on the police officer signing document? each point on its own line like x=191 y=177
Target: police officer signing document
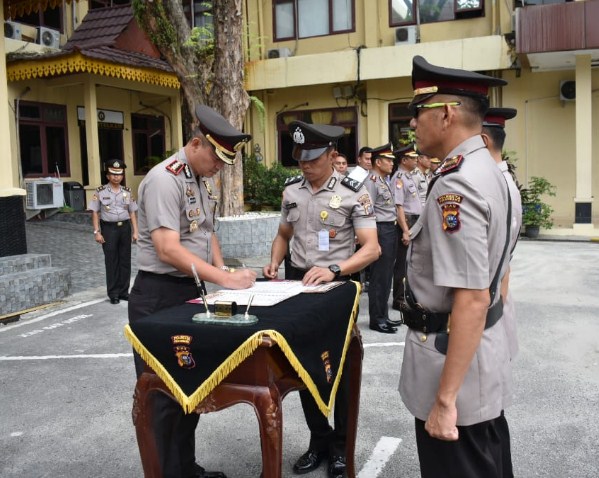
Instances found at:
x=456 y=365
x=177 y=206
x=323 y=211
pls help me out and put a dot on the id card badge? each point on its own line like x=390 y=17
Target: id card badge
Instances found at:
x=323 y=240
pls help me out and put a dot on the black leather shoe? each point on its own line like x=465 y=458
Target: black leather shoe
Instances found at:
x=394 y=323
x=202 y=473
x=124 y=297
x=114 y=300
x=308 y=462
x=383 y=328
x=336 y=466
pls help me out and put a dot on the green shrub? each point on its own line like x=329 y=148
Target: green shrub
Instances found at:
x=262 y=185
x=534 y=211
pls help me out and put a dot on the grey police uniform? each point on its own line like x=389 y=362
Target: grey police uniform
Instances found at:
x=114 y=209
x=421 y=179
x=381 y=270
x=173 y=198
x=458 y=243
x=406 y=195
x=324 y=221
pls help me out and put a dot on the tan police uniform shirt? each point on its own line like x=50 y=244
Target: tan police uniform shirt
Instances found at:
x=458 y=243
x=171 y=197
x=324 y=221
x=113 y=206
x=382 y=198
x=509 y=312
x=406 y=191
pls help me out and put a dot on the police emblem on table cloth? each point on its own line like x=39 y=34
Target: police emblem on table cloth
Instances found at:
x=450 y=208
x=327 y=366
x=182 y=350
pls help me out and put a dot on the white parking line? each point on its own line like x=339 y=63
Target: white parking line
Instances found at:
x=51 y=314
x=385 y=344
x=379 y=457
x=52 y=357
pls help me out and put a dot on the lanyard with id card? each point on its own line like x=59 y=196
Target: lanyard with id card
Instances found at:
x=323 y=240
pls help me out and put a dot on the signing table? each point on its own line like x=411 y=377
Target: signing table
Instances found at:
x=303 y=342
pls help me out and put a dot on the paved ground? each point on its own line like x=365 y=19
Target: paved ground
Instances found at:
x=66 y=378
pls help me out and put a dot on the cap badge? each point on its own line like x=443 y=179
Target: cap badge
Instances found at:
x=298 y=136
x=335 y=202
x=116 y=164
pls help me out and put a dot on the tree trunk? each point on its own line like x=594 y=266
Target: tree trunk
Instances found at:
x=209 y=74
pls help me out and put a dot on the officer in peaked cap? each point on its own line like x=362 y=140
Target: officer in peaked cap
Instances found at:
x=177 y=208
x=115 y=166
x=381 y=271
x=456 y=373
x=323 y=211
x=494 y=136
x=225 y=139
x=405 y=190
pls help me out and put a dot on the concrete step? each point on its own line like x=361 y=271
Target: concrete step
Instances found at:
x=24 y=290
x=23 y=263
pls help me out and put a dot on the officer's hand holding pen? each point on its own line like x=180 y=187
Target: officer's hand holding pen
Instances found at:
x=240 y=279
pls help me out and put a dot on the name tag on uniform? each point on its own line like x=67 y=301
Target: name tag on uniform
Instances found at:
x=323 y=240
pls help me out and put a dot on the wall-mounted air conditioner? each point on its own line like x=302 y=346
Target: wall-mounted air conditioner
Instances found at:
x=44 y=194
x=567 y=90
x=48 y=37
x=406 y=35
x=279 y=53
x=12 y=30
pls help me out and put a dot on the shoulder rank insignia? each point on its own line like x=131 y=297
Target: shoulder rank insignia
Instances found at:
x=101 y=188
x=175 y=167
x=352 y=183
x=126 y=188
x=187 y=170
x=293 y=180
x=451 y=164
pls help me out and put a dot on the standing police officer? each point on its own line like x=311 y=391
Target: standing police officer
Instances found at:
x=381 y=270
x=456 y=361
x=177 y=207
x=115 y=227
x=409 y=207
x=323 y=211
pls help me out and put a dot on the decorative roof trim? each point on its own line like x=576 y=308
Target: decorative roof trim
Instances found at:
x=77 y=63
x=19 y=8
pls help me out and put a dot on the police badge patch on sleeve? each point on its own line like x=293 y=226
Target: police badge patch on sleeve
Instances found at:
x=450 y=208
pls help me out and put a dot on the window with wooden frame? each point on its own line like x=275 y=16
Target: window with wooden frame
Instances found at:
x=148 y=141
x=399 y=123
x=43 y=140
x=311 y=18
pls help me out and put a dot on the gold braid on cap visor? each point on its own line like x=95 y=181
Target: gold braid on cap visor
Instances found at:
x=223 y=152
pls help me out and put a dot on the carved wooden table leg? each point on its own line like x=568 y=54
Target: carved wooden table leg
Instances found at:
x=355 y=354
x=268 y=407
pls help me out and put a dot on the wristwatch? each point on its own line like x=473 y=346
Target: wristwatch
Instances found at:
x=96 y=231
x=335 y=269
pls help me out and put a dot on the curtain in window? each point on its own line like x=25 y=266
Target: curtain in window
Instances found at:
x=284 y=23
x=313 y=17
x=342 y=15
x=322 y=117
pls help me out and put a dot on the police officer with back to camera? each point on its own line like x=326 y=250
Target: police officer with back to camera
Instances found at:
x=381 y=271
x=494 y=137
x=323 y=211
x=405 y=186
x=177 y=208
x=115 y=227
x=456 y=364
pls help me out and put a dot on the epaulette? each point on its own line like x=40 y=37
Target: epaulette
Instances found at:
x=101 y=188
x=293 y=180
x=175 y=166
x=450 y=165
x=352 y=184
x=127 y=188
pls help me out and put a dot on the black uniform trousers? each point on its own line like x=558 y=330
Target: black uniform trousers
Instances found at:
x=482 y=450
x=399 y=271
x=117 y=257
x=174 y=430
x=381 y=274
x=323 y=438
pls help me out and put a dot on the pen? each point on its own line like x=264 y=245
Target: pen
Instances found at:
x=200 y=289
x=246 y=316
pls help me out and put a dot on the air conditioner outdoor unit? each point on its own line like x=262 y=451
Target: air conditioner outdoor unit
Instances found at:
x=567 y=90
x=279 y=53
x=12 y=30
x=48 y=37
x=405 y=35
x=44 y=194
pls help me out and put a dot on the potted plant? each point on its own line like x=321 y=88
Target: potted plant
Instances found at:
x=536 y=213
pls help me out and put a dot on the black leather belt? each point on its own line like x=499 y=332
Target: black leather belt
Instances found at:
x=416 y=318
x=115 y=224
x=384 y=223
x=167 y=277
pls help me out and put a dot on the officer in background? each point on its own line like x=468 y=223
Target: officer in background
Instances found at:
x=494 y=137
x=456 y=361
x=115 y=227
x=435 y=163
x=177 y=208
x=409 y=207
x=340 y=164
x=381 y=271
x=421 y=175
x=322 y=211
